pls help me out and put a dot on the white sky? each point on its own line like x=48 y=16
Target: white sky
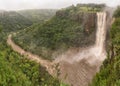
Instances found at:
x=53 y=4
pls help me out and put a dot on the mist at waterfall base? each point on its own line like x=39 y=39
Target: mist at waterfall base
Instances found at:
x=92 y=54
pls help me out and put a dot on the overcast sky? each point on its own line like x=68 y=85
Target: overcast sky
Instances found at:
x=51 y=4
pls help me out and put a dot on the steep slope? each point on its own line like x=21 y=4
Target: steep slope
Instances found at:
x=17 y=70
x=109 y=74
x=12 y=21
x=70 y=27
x=38 y=15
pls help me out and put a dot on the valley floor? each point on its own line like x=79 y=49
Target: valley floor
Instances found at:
x=76 y=74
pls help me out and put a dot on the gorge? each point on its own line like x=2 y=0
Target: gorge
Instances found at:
x=74 y=46
x=77 y=68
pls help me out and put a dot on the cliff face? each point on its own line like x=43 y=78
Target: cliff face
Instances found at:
x=88 y=20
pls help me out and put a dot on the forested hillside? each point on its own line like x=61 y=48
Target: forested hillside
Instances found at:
x=38 y=15
x=17 y=70
x=12 y=21
x=50 y=33
x=109 y=74
x=70 y=27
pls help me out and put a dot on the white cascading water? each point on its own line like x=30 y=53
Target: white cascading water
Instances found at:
x=93 y=53
x=101 y=35
x=101 y=29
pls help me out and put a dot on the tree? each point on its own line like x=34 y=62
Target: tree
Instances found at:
x=1 y=28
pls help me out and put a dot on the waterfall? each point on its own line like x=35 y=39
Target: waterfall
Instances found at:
x=101 y=30
x=92 y=53
x=100 y=35
x=81 y=66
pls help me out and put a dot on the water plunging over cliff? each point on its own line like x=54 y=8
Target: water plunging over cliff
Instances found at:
x=95 y=52
x=101 y=35
x=101 y=29
x=99 y=48
x=80 y=67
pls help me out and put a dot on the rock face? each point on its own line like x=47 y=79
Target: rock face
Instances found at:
x=87 y=21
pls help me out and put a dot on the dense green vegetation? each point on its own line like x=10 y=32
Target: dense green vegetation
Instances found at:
x=109 y=74
x=117 y=12
x=17 y=70
x=12 y=21
x=38 y=15
x=87 y=7
x=52 y=35
x=70 y=27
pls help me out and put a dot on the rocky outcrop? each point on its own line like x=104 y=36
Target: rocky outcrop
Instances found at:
x=89 y=22
x=86 y=19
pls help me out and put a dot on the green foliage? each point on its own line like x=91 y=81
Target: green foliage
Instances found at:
x=117 y=12
x=53 y=35
x=38 y=15
x=109 y=74
x=16 y=70
x=12 y=21
x=68 y=28
x=86 y=8
x=1 y=28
